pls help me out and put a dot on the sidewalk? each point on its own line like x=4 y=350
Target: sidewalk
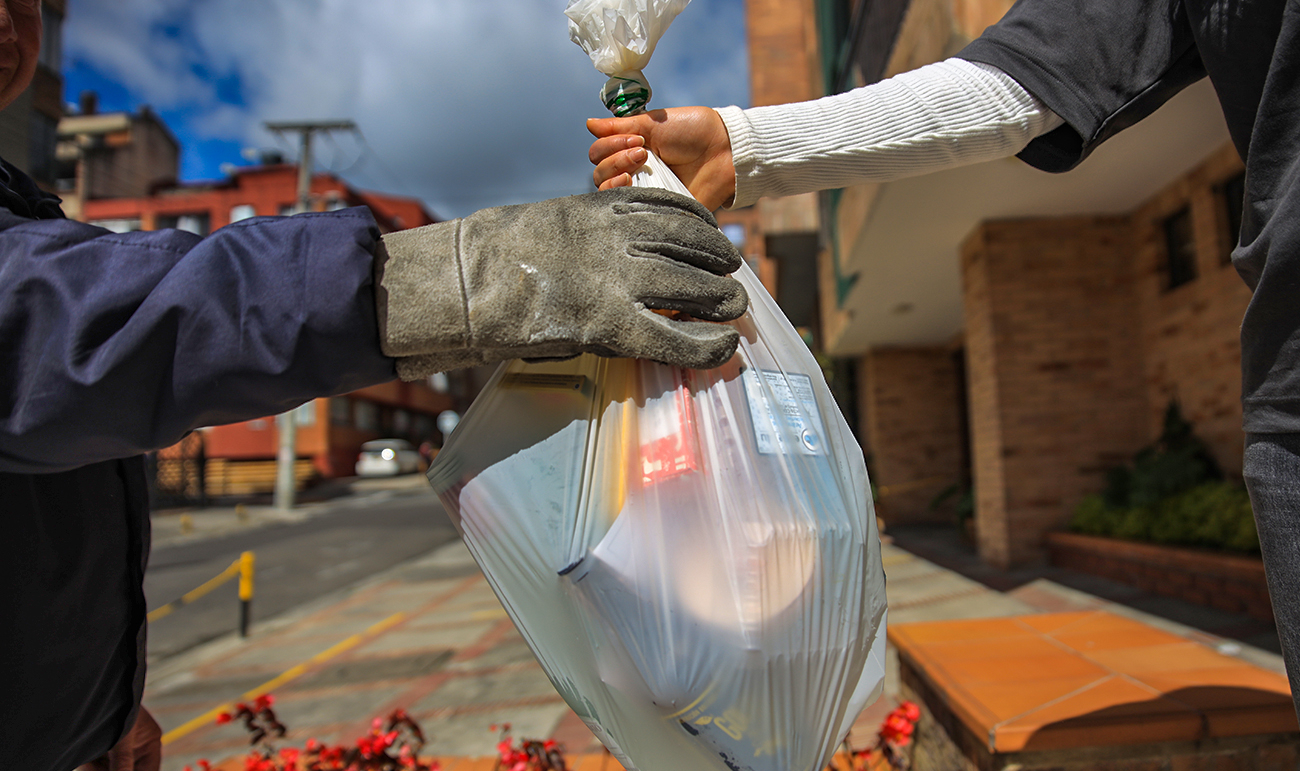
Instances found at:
x=430 y=637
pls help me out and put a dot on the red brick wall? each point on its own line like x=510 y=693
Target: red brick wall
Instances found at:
x=912 y=430
x=1054 y=363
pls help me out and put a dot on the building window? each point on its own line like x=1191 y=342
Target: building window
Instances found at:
x=51 y=39
x=117 y=226
x=242 y=212
x=341 y=411
x=1180 y=248
x=1233 y=193
x=198 y=224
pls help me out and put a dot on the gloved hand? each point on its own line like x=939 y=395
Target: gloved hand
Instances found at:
x=558 y=278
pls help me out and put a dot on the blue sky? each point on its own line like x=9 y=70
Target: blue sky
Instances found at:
x=461 y=103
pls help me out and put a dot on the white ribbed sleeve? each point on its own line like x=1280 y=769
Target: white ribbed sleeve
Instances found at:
x=943 y=115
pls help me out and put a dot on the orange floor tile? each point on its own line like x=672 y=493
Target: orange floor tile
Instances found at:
x=1065 y=680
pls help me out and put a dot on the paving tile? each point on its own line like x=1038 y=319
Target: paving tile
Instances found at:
x=422 y=639
x=960 y=630
x=306 y=712
x=996 y=648
x=492 y=688
x=1050 y=623
x=1114 y=711
x=980 y=604
x=467 y=733
x=277 y=657
x=202 y=693
x=999 y=702
x=371 y=670
x=502 y=655
x=1102 y=623
x=1021 y=670
x=1154 y=659
x=334 y=627
x=1087 y=642
x=440 y=617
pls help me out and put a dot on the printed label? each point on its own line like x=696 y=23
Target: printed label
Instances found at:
x=784 y=412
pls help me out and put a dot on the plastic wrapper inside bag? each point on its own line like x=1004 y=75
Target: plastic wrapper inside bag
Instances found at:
x=691 y=555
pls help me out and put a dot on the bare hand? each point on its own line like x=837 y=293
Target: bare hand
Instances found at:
x=139 y=750
x=693 y=141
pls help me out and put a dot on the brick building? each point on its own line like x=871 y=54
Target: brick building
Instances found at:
x=1006 y=329
x=240 y=458
x=113 y=155
x=28 y=126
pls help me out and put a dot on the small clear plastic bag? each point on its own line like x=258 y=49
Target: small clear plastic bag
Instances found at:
x=691 y=555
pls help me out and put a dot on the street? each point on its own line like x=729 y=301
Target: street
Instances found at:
x=344 y=541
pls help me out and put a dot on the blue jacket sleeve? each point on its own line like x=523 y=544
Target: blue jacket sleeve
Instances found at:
x=115 y=344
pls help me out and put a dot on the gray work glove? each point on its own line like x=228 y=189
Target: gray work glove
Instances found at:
x=558 y=278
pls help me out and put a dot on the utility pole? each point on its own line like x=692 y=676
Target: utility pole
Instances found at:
x=287 y=454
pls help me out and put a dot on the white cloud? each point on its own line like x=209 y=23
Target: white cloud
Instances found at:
x=463 y=104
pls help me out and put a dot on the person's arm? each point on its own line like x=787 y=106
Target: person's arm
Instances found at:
x=116 y=344
x=940 y=116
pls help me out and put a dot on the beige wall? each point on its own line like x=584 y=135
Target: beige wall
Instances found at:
x=1054 y=363
x=910 y=403
x=1076 y=345
x=1191 y=334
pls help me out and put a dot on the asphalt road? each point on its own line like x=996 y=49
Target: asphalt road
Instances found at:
x=356 y=537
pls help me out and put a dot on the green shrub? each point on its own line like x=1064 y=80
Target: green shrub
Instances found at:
x=1094 y=517
x=1213 y=514
x=1173 y=493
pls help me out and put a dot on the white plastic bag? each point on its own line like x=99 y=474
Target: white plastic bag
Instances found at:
x=691 y=555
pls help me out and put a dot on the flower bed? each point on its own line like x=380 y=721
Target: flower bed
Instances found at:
x=1230 y=582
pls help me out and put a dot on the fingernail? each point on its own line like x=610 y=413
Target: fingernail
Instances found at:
x=635 y=141
x=637 y=154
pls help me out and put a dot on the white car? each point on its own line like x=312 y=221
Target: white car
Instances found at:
x=386 y=458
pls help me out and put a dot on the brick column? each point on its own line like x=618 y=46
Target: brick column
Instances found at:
x=912 y=428
x=1054 y=365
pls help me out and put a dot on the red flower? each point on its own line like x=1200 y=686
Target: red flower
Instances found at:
x=264 y=701
x=550 y=744
x=313 y=745
x=897 y=729
x=910 y=711
x=204 y=765
x=224 y=717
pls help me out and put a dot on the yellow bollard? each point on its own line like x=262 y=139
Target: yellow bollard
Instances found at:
x=245 y=592
x=241 y=512
x=187 y=523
